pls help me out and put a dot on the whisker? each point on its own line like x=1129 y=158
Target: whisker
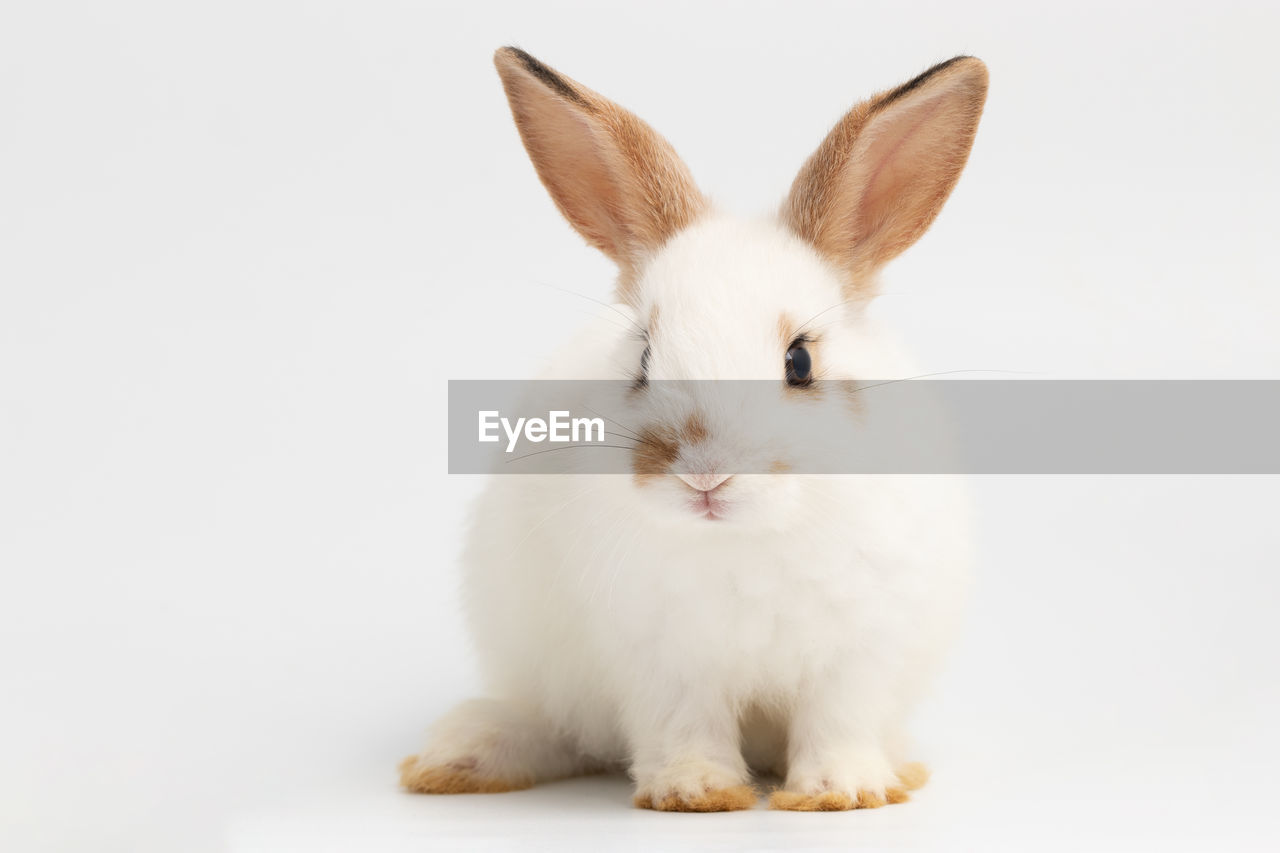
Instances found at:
x=591 y=526
x=635 y=435
x=640 y=330
x=637 y=533
x=568 y=447
x=605 y=569
x=612 y=420
x=943 y=373
x=574 y=499
x=806 y=323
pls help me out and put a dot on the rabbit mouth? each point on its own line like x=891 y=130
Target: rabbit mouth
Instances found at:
x=708 y=503
x=711 y=507
x=708 y=507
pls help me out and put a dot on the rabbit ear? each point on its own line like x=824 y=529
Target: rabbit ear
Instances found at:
x=882 y=174
x=619 y=183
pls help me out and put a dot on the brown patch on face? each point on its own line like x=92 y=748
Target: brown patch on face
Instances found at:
x=654 y=454
x=694 y=429
x=619 y=183
x=737 y=798
x=455 y=778
x=881 y=176
x=659 y=447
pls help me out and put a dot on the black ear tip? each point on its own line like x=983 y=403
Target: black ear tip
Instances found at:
x=510 y=51
x=506 y=57
x=964 y=60
x=510 y=54
x=972 y=63
x=975 y=69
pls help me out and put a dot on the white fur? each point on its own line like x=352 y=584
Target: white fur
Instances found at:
x=615 y=626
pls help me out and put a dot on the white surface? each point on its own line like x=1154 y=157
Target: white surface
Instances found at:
x=243 y=247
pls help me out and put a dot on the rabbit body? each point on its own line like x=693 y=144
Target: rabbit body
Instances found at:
x=696 y=632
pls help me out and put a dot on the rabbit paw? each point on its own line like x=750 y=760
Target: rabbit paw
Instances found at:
x=864 y=792
x=460 y=776
x=699 y=787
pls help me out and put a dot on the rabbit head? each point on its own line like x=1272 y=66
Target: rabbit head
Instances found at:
x=721 y=299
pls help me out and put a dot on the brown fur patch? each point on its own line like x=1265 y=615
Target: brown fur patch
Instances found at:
x=881 y=176
x=737 y=798
x=870 y=800
x=452 y=779
x=658 y=447
x=913 y=775
x=619 y=183
x=836 y=801
x=827 y=801
x=654 y=454
x=694 y=430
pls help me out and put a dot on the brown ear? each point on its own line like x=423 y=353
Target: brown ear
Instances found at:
x=882 y=174
x=616 y=180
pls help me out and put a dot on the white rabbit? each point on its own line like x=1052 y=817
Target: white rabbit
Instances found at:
x=695 y=627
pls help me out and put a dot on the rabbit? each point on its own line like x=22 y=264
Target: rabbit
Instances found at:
x=700 y=628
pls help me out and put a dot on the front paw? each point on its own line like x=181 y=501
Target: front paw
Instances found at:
x=695 y=787
x=871 y=788
x=422 y=775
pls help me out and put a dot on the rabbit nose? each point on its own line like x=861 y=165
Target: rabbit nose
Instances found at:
x=704 y=482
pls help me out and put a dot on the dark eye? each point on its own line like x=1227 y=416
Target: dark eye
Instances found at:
x=799 y=365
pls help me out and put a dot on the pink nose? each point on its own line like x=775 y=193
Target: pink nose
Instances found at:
x=704 y=482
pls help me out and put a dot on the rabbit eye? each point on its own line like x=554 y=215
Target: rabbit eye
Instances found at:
x=799 y=365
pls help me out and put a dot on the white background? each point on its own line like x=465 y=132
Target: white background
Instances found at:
x=243 y=246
